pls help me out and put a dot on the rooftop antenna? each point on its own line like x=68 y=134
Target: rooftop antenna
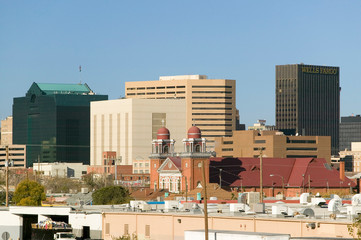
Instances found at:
x=80 y=73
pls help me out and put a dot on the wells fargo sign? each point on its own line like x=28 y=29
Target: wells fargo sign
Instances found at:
x=320 y=70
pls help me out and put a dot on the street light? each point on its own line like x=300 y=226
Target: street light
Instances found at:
x=283 y=184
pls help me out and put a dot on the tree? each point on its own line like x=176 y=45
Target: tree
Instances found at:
x=29 y=193
x=354 y=229
x=111 y=195
x=94 y=182
x=61 y=184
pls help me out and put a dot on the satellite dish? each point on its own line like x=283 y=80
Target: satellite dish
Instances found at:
x=5 y=236
x=308 y=212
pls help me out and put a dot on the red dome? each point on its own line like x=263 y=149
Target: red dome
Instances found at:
x=163 y=133
x=194 y=132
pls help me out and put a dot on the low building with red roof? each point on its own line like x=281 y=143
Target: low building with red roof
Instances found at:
x=293 y=175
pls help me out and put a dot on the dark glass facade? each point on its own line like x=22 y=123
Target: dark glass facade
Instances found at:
x=308 y=101
x=350 y=131
x=54 y=126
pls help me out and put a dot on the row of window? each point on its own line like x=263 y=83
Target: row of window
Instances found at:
x=302 y=149
x=212 y=119
x=198 y=108
x=228 y=103
x=218 y=125
x=162 y=87
x=222 y=86
x=211 y=97
x=227 y=114
x=141 y=171
x=227 y=92
x=153 y=93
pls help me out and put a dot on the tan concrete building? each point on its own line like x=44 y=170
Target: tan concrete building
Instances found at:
x=7 y=131
x=128 y=126
x=210 y=103
x=141 y=166
x=16 y=155
x=355 y=152
x=171 y=226
x=273 y=144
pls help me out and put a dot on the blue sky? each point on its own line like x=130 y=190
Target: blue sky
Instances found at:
x=119 y=41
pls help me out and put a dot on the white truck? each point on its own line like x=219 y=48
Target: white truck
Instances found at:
x=64 y=236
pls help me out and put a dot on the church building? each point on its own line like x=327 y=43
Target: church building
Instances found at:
x=178 y=172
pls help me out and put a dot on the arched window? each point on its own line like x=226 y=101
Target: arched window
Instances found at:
x=165 y=149
x=187 y=148
x=162 y=183
x=179 y=185
x=198 y=148
x=170 y=185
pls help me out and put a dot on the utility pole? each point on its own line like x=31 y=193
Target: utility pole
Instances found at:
x=261 y=174
x=220 y=177
x=186 y=189
x=309 y=183
x=7 y=175
x=205 y=201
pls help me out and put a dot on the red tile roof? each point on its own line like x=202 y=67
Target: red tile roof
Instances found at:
x=295 y=171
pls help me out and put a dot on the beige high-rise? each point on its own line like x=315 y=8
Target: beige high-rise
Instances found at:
x=210 y=103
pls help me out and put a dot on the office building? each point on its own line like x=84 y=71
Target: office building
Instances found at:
x=355 y=153
x=127 y=127
x=273 y=144
x=210 y=103
x=308 y=101
x=53 y=121
x=14 y=154
x=7 y=131
x=350 y=131
x=261 y=126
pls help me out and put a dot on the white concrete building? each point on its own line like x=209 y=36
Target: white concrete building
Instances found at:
x=15 y=221
x=127 y=126
x=70 y=170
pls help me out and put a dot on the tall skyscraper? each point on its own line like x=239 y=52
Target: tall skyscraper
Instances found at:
x=308 y=101
x=53 y=121
x=210 y=103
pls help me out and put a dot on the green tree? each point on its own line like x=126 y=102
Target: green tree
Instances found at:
x=111 y=195
x=3 y=197
x=29 y=193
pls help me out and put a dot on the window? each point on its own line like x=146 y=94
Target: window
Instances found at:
x=126 y=229
x=259 y=141
x=107 y=228
x=135 y=171
x=227 y=149
x=199 y=164
x=147 y=230
x=228 y=142
x=147 y=164
x=198 y=148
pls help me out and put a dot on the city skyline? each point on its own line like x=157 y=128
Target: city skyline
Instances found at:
x=116 y=42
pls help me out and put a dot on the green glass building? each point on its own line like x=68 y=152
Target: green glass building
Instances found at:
x=53 y=120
